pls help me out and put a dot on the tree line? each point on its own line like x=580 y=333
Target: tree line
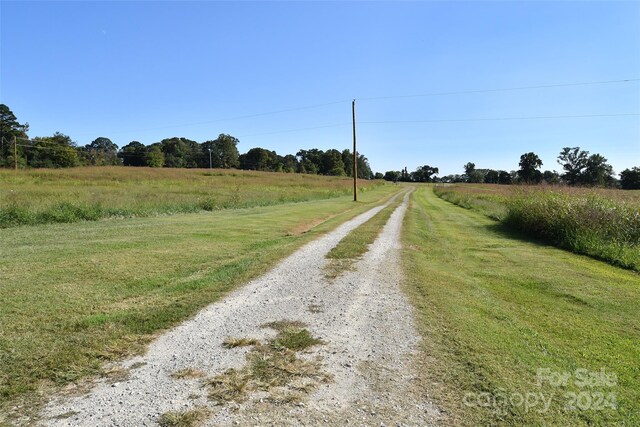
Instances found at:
x=579 y=168
x=59 y=150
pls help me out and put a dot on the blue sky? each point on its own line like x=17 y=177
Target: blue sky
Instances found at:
x=151 y=70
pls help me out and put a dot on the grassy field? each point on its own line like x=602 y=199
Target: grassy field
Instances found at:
x=601 y=223
x=40 y=196
x=77 y=295
x=504 y=318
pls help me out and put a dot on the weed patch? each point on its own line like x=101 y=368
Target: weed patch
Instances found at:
x=295 y=339
x=187 y=373
x=191 y=418
x=231 y=342
x=275 y=368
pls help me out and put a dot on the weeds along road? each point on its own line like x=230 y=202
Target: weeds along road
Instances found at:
x=293 y=347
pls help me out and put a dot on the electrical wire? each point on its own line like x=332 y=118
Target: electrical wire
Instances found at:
x=296 y=130
x=465 y=92
x=482 y=119
x=228 y=119
x=370 y=98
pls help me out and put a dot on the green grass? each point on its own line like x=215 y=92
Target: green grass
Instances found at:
x=41 y=196
x=295 y=339
x=345 y=254
x=602 y=224
x=190 y=418
x=77 y=295
x=479 y=198
x=494 y=307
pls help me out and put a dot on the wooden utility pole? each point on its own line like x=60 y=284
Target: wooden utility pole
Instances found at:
x=15 y=153
x=355 y=155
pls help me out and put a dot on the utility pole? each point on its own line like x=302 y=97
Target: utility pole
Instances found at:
x=210 y=158
x=15 y=153
x=355 y=155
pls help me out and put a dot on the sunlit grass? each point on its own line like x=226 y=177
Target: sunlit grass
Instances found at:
x=493 y=307
x=41 y=196
x=77 y=295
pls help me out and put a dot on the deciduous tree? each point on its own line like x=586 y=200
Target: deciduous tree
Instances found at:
x=133 y=154
x=529 y=165
x=573 y=161
x=57 y=151
x=597 y=171
x=630 y=179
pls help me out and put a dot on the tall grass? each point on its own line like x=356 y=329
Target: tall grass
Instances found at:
x=591 y=225
x=85 y=194
x=601 y=224
x=486 y=201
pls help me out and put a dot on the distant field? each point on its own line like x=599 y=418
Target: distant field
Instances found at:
x=41 y=196
x=602 y=223
x=77 y=295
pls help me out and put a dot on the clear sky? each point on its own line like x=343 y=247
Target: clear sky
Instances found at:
x=152 y=70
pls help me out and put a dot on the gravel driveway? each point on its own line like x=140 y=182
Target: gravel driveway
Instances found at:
x=368 y=355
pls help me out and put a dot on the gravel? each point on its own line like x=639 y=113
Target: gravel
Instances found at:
x=370 y=347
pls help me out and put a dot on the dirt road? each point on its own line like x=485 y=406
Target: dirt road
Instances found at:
x=363 y=371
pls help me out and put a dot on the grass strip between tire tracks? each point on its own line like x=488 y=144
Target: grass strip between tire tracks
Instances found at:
x=345 y=254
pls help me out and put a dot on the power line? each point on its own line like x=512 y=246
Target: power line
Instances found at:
x=497 y=90
x=448 y=120
x=228 y=119
x=480 y=119
x=296 y=130
x=370 y=98
x=501 y=118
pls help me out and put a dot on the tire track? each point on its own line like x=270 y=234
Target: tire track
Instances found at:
x=370 y=348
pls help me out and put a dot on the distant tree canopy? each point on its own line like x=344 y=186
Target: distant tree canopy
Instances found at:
x=529 y=165
x=630 y=179
x=582 y=169
x=133 y=154
x=10 y=128
x=421 y=174
x=59 y=150
x=424 y=174
x=472 y=174
x=100 y=152
x=223 y=152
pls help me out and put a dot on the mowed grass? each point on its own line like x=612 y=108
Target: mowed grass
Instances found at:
x=40 y=196
x=602 y=223
x=494 y=307
x=77 y=295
